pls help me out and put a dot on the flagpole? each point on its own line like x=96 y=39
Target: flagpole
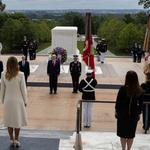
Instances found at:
x=146 y=45
x=88 y=33
x=88 y=56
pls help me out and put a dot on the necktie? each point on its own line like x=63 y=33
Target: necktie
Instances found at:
x=53 y=63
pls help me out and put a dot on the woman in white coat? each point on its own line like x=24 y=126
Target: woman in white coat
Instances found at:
x=14 y=98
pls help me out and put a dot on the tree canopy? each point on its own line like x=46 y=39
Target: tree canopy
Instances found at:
x=2 y=6
x=145 y=3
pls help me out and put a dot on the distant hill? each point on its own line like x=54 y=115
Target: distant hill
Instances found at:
x=57 y=13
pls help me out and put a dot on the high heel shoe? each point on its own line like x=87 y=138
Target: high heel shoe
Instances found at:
x=12 y=144
x=17 y=143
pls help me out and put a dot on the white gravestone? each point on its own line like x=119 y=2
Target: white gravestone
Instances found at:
x=65 y=37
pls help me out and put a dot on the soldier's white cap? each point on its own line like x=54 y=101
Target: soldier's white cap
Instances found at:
x=89 y=72
x=75 y=55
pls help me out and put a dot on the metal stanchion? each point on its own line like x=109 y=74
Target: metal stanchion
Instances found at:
x=78 y=141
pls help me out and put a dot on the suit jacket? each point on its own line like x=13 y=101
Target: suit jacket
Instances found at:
x=24 y=68
x=53 y=69
x=1 y=68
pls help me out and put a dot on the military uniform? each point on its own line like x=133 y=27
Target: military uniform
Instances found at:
x=134 y=51
x=25 y=49
x=87 y=87
x=75 y=70
x=101 y=48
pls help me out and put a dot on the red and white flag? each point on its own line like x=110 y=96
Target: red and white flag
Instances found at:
x=88 y=56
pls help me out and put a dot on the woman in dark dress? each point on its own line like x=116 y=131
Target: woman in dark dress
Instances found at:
x=128 y=109
x=146 y=98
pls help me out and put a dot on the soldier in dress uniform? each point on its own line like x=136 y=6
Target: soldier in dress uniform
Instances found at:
x=101 y=49
x=140 y=53
x=134 y=51
x=75 y=71
x=25 y=48
x=87 y=87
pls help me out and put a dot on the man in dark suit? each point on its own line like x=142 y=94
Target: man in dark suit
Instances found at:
x=1 y=68
x=24 y=67
x=53 y=71
x=75 y=70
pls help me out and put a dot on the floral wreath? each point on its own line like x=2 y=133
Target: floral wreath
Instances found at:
x=61 y=54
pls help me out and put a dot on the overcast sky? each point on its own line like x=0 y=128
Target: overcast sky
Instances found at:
x=72 y=4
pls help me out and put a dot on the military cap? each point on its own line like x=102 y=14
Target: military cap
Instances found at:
x=75 y=55
x=89 y=72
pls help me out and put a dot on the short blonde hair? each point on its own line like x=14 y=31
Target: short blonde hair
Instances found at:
x=12 y=68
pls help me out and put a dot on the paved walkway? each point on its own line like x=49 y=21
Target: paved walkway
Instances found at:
x=90 y=140
x=104 y=141
x=58 y=112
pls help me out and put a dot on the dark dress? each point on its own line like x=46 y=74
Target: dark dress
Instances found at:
x=146 y=97
x=127 y=113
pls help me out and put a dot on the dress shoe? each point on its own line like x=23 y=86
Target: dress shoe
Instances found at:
x=17 y=143
x=12 y=144
x=55 y=92
x=87 y=126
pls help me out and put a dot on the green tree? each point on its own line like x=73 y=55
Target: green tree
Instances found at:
x=2 y=6
x=74 y=19
x=11 y=34
x=3 y=18
x=128 y=18
x=110 y=30
x=130 y=33
x=145 y=3
x=141 y=18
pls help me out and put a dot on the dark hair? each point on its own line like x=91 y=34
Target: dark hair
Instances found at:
x=132 y=84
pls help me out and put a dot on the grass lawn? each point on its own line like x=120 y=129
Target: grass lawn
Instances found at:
x=43 y=46
x=80 y=45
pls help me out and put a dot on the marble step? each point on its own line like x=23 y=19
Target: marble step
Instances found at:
x=104 y=141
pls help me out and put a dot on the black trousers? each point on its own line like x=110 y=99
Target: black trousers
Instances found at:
x=25 y=53
x=31 y=54
x=75 y=82
x=139 y=57
x=134 y=57
x=53 y=78
x=147 y=125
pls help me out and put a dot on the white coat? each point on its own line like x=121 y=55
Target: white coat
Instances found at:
x=14 y=97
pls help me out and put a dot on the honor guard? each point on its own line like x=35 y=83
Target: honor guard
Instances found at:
x=87 y=87
x=134 y=51
x=101 y=49
x=25 y=48
x=75 y=71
